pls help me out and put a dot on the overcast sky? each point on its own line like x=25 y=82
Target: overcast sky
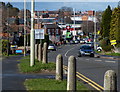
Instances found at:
x=61 y=0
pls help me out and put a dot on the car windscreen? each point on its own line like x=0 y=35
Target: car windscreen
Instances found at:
x=86 y=48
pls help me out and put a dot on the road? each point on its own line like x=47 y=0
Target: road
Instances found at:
x=92 y=68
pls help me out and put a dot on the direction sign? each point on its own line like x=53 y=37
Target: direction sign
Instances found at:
x=113 y=42
x=39 y=33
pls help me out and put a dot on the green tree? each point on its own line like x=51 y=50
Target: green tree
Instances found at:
x=115 y=25
x=105 y=24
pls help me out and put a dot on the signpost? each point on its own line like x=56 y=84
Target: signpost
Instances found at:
x=113 y=42
x=39 y=34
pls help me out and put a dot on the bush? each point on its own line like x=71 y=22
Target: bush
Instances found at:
x=105 y=44
x=4 y=46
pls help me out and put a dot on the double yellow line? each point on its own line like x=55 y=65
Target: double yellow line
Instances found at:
x=87 y=80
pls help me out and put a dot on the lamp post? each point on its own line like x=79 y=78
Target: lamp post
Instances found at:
x=32 y=38
x=95 y=31
x=24 y=27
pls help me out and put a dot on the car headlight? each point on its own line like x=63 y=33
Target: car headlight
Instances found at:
x=82 y=51
x=92 y=52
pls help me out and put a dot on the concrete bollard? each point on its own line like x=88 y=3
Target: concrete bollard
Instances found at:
x=71 y=77
x=45 y=53
x=59 y=67
x=36 y=51
x=40 y=52
x=110 y=81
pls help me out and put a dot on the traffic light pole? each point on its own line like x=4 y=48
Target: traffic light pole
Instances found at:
x=32 y=38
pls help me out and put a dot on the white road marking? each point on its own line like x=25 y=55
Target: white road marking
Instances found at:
x=87 y=59
x=68 y=51
x=111 y=61
x=98 y=60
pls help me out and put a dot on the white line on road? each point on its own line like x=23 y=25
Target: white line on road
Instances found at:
x=98 y=60
x=87 y=59
x=68 y=51
x=111 y=61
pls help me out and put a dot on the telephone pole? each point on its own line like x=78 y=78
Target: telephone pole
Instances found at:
x=32 y=38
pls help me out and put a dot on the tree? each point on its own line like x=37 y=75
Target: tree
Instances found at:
x=105 y=24
x=65 y=13
x=115 y=25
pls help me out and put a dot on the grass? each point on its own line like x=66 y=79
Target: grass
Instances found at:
x=50 y=84
x=113 y=54
x=24 y=66
x=108 y=53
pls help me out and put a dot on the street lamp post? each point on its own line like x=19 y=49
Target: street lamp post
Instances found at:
x=24 y=27
x=32 y=38
x=95 y=47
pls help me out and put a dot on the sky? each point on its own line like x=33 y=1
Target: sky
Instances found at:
x=62 y=0
x=79 y=6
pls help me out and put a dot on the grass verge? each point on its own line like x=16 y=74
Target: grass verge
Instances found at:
x=113 y=54
x=24 y=66
x=50 y=84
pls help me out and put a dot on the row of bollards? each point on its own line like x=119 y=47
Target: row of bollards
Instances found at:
x=110 y=79
x=41 y=53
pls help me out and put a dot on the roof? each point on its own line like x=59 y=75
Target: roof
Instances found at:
x=51 y=26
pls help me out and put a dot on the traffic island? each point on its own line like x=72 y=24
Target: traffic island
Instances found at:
x=39 y=67
x=50 y=85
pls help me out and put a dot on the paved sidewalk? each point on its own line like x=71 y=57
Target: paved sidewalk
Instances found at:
x=12 y=79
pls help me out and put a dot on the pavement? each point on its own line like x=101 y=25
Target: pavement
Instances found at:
x=12 y=79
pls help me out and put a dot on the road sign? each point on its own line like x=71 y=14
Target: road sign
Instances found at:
x=113 y=42
x=39 y=33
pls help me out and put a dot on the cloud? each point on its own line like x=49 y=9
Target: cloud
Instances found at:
x=61 y=0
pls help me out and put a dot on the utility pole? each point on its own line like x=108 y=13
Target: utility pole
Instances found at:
x=95 y=31
x=24 y=27
x=74 y=18
x=32 y=38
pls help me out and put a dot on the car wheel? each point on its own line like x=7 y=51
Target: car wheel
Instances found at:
x=91 y=55
x=79 y=55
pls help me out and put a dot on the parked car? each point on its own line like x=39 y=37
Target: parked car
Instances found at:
x=82 y=41
x=86 y=50
x=52 y=47
x=76 y=41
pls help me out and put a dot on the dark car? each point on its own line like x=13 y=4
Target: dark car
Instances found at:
x=86 y=50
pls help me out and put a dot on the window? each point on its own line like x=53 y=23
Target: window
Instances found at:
x=57 y=31
x=49 y=32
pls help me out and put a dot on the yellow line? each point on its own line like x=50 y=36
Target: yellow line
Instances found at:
x=91 y=81
x=65 y=67
x=88 y=82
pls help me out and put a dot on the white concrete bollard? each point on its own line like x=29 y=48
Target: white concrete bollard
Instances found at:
x=71 y=77
x=110 y=81
x=59 y=67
